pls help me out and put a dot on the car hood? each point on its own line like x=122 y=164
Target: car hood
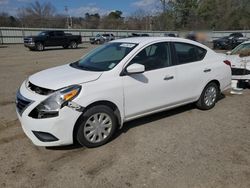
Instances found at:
x=62 y=76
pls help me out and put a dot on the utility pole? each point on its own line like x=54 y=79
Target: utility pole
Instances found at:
x=69 y=22
x=163 y=2
x=67 y=19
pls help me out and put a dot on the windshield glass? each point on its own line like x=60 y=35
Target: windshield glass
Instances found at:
x=104 y=58
x=241 y=48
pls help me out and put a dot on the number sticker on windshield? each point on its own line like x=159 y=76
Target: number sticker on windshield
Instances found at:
x=127 y=45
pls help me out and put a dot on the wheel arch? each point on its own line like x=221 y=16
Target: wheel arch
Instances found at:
x=215 y=81
x=110 y=104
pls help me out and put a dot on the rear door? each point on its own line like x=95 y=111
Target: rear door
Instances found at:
x=60 y=38
x=192 y=71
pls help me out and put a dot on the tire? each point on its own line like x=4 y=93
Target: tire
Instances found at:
x=73 y=45
x=39 y=46
x=93 y=135
x=208 y=97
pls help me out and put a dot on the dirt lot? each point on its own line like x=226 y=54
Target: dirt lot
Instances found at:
x=184 y=147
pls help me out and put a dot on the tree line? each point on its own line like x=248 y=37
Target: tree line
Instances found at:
x=172 y=15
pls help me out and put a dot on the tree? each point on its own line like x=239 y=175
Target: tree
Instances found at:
x=37 y=14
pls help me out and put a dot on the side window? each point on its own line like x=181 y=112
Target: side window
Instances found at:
x=187 y=53
x=155 y=56
x=59 y=33
x=51 y=34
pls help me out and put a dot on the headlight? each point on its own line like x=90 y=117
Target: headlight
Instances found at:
x=50 y=107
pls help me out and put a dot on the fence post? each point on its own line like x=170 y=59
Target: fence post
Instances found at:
x=1 y=36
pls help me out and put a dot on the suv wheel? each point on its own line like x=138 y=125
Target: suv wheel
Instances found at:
x=73 y=44
x=208 y=97
x=39 y=46
x=98 y=126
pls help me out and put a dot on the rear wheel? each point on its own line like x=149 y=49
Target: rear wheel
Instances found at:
x=208 y=97
x=39 y=46
x=98 y=126
x=73 y=45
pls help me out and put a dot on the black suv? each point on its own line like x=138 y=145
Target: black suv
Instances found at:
x=229 y=42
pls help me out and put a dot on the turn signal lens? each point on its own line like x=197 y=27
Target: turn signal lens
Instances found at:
x=70 y=95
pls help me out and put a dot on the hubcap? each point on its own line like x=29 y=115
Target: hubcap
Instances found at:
x=97 y=127
x=210 y=96
x=40 y=47
x=73 y=45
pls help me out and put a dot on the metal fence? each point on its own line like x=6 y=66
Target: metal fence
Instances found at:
x=13 y=35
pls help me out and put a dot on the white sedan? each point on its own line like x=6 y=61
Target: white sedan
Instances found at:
x=240 y=59
x=88 y=100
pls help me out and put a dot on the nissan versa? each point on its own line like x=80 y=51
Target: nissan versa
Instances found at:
x=88 y=100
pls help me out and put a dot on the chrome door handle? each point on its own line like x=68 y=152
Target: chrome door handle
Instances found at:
x=207 y=70
x=169 y=77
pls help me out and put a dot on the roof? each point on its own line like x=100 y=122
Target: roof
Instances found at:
x=146 y=40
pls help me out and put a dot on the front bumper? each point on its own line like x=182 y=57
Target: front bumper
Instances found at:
x=30 y=45
x=60 y=127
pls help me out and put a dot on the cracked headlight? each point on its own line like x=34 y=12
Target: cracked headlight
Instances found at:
x=50 y=107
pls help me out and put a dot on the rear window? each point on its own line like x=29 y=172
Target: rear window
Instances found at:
x=188 y=53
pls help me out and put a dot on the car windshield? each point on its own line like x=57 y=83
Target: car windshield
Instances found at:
x=241 y=48
x=104 y=58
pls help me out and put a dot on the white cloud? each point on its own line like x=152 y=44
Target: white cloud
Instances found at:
x=147 y=5
x=144 y=3
x=91 y=8
x=4 y=2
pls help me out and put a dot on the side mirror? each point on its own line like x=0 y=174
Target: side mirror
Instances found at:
x=135 y=68
x=229 y=52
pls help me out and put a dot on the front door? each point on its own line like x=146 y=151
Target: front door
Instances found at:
x=156 y=87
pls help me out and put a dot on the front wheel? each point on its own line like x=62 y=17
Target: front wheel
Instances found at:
x=97 y=127
x=208 y=97
x=39 y=46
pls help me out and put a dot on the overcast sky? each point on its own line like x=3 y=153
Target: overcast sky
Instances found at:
x=80 y=7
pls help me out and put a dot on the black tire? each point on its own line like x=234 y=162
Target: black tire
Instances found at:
x=66 y=46
x=203 y=103
x=39 y=46
x=73 y=44
x=80 y=133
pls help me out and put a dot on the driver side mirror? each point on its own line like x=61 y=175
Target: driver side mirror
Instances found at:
x=135 y=68
x=229 y=52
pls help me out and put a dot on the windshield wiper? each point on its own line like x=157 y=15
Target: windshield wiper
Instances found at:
x=82 y=67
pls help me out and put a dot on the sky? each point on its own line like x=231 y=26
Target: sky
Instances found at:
x=80 y=7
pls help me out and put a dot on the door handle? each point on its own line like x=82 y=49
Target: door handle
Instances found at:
x=168 y=77
x=207 y=70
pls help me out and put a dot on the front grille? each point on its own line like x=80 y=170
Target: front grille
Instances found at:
x=239 y=72
x=27 y=40
x=22 y=103
x=39 y=90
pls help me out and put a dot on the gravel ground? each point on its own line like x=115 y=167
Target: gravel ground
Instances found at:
x=184 y=147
